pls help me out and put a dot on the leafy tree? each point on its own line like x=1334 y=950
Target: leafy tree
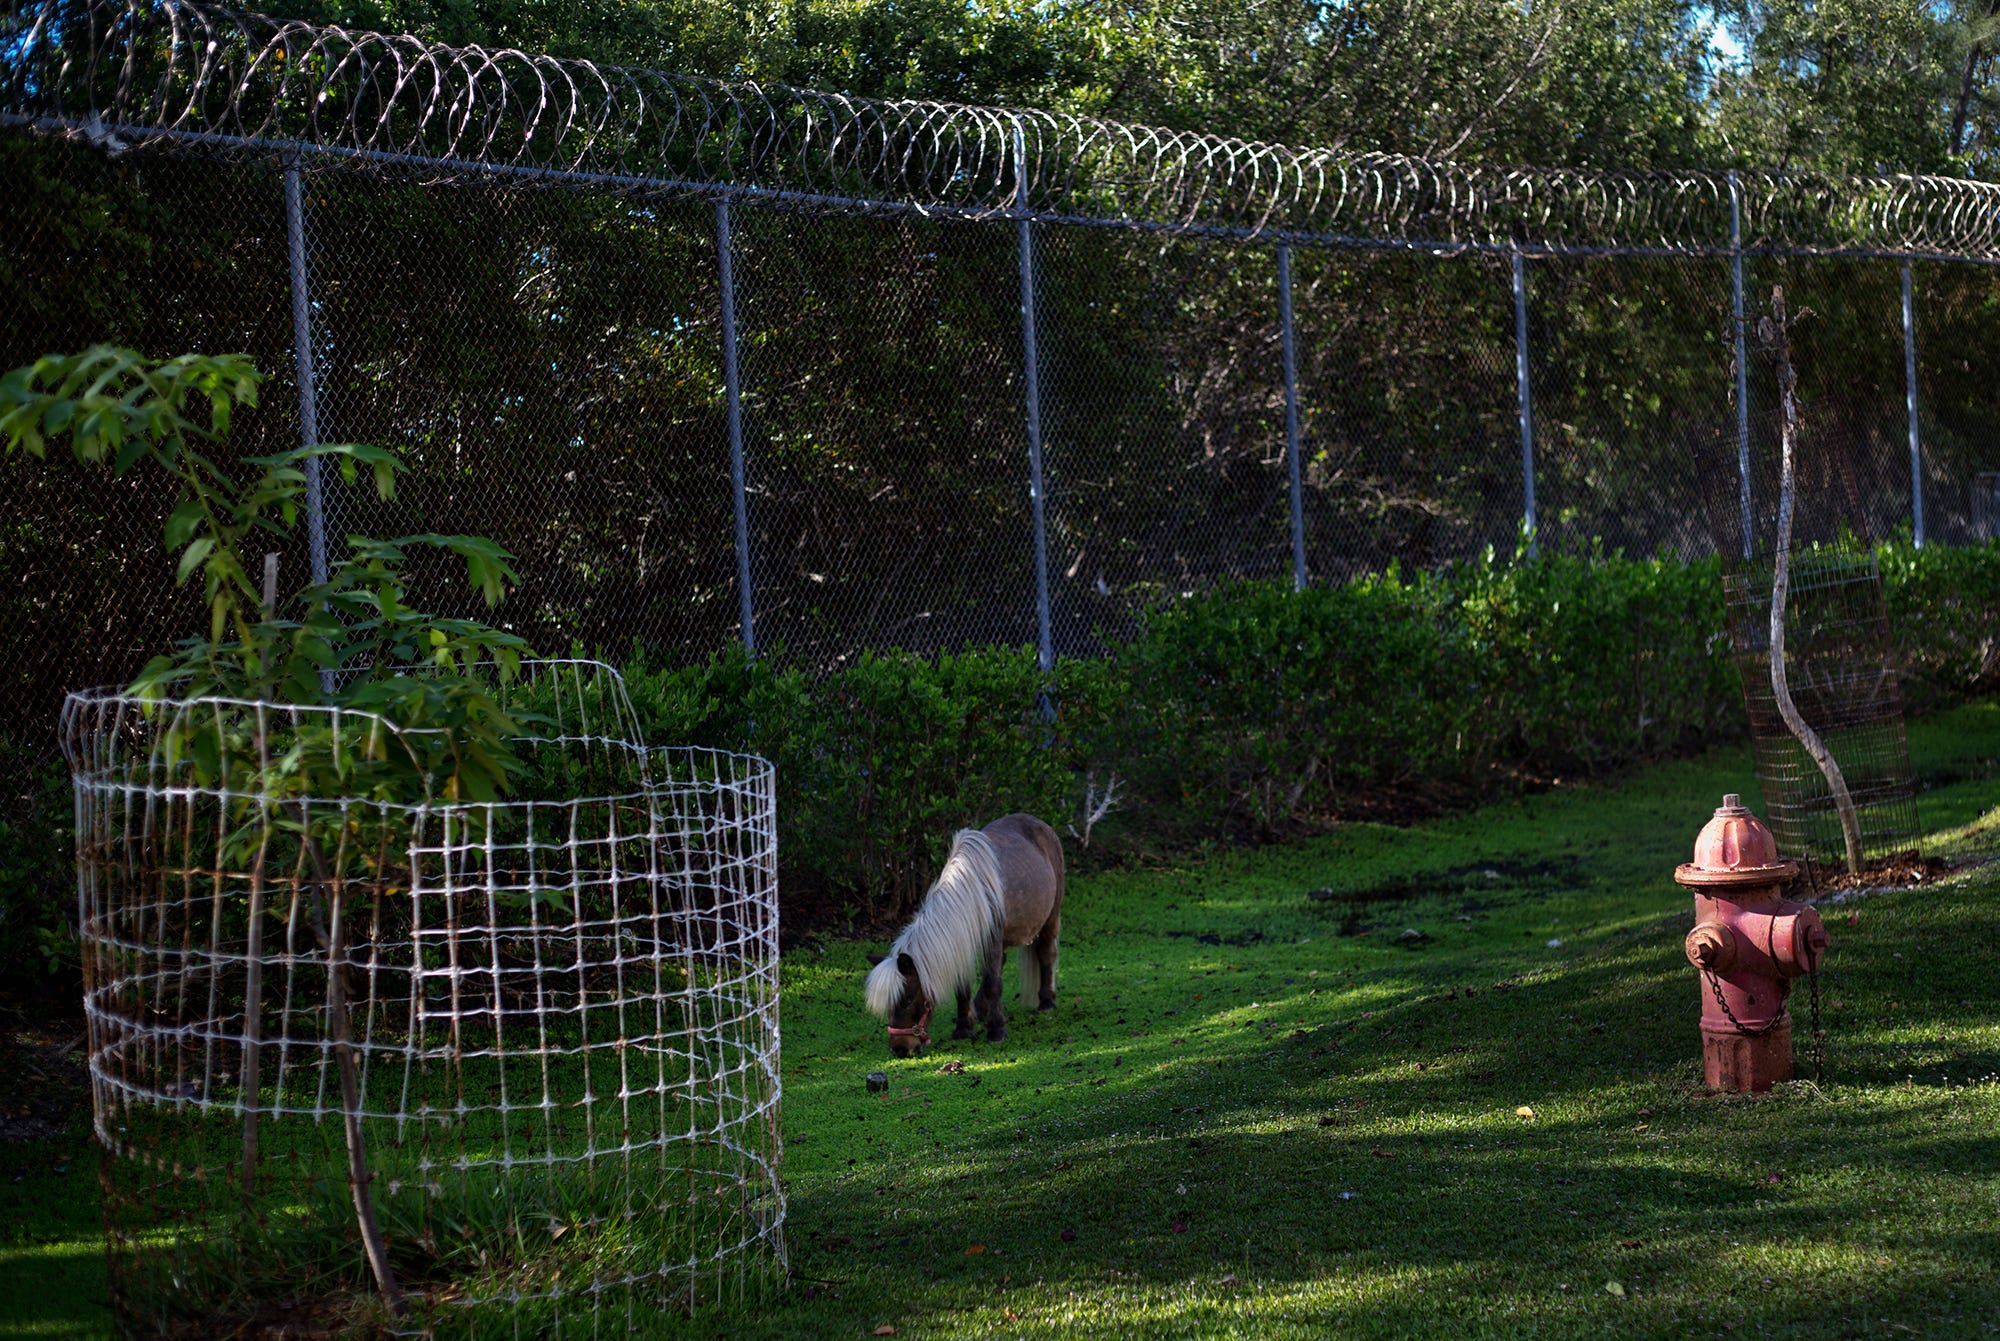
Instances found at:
x=357 y=643
x=1846 y=85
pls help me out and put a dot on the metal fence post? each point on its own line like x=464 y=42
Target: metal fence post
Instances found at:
x=1910 y=396
x=1292 y=417
x=1527 y=407
x=1742 y=361
x=1031 y=360
x=302 y=360
x=733 y=392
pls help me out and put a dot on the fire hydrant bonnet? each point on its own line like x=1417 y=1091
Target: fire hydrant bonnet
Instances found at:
x=1734 y=848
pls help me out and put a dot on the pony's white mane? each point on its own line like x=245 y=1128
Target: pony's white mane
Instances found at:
x=949 y=936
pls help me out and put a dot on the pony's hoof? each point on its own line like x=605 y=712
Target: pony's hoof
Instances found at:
x=996 y=1035
x=963 y=1031
x=1048 y=1003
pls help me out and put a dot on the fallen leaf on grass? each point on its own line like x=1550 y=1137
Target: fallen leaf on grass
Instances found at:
x=1227 y=1280
x=1180 y=1227
x=951 y=1068
x=1069 y=1236
x=975 y=1250
x=1011 y=1316
x=1631 y=1243
x=1524 y=1111
x=1329 y=1120
x=1775 y=1178
x=1380 y=1153
x=884 y=1330
x=1612 y=1287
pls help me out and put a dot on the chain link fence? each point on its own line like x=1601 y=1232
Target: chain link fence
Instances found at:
x=844 y=442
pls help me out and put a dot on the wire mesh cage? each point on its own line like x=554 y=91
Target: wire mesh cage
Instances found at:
x=441 y=1067
x=1842 y=677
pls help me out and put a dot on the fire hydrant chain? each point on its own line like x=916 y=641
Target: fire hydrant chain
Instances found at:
x=1715 y=986
x=1818 y=1033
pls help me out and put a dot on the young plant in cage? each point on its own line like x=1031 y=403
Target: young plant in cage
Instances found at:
x=357 y=642
x=418 y=985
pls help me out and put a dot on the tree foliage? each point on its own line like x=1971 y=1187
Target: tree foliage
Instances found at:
x=1843 y=85
x=356 y=641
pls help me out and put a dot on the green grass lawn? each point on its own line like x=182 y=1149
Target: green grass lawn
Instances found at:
x=1259 y=1114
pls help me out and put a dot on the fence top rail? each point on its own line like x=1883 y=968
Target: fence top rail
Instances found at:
x=182 y=76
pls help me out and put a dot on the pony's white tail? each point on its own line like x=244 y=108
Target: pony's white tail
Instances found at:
x=948 y=938
x=1030 y=965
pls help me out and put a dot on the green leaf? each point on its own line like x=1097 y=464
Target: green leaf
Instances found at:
x=130 y=454
x=182 y=522
x=192 y=558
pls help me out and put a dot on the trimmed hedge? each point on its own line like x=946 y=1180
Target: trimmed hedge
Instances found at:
x=1256 y=709
x=1944 y=619
x=878 y=763
x=1256 y=705
x=1249 y=709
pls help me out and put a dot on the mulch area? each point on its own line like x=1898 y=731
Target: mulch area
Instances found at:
x=44 y=1084
x=1898 y=870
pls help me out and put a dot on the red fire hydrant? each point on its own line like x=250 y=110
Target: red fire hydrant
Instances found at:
x=1749 y=943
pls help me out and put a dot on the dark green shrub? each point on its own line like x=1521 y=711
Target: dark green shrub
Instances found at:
x=1251 y=702
x=1944 y=619
x=877 y=763
x=1586 y=660
x=1256 y=704
x=37 y=878
x=1252 y=707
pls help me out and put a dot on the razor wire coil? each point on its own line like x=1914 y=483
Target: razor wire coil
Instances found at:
x=165 y=73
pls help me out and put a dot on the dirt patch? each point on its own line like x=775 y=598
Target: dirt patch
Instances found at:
x=1241 y=938
x=44 y=1085
x=1479 y=876
x=811 y=911
x=1898 y=870
x=334 y=1315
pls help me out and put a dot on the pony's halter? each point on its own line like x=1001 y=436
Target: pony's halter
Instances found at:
x=921 y=1030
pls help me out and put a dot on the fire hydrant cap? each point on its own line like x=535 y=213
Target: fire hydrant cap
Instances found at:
x=1734 y=848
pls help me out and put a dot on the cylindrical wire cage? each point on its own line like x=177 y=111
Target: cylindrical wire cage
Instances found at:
x=1840 y=664
x=444 y=1066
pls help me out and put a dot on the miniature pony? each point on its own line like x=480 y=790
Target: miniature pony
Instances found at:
x=1001 y=886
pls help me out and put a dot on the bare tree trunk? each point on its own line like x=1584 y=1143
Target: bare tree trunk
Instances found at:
x=340 y=1024
x=253 y=1023
x=350 y=1096
x=1962 y=106
x=1843 y=801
